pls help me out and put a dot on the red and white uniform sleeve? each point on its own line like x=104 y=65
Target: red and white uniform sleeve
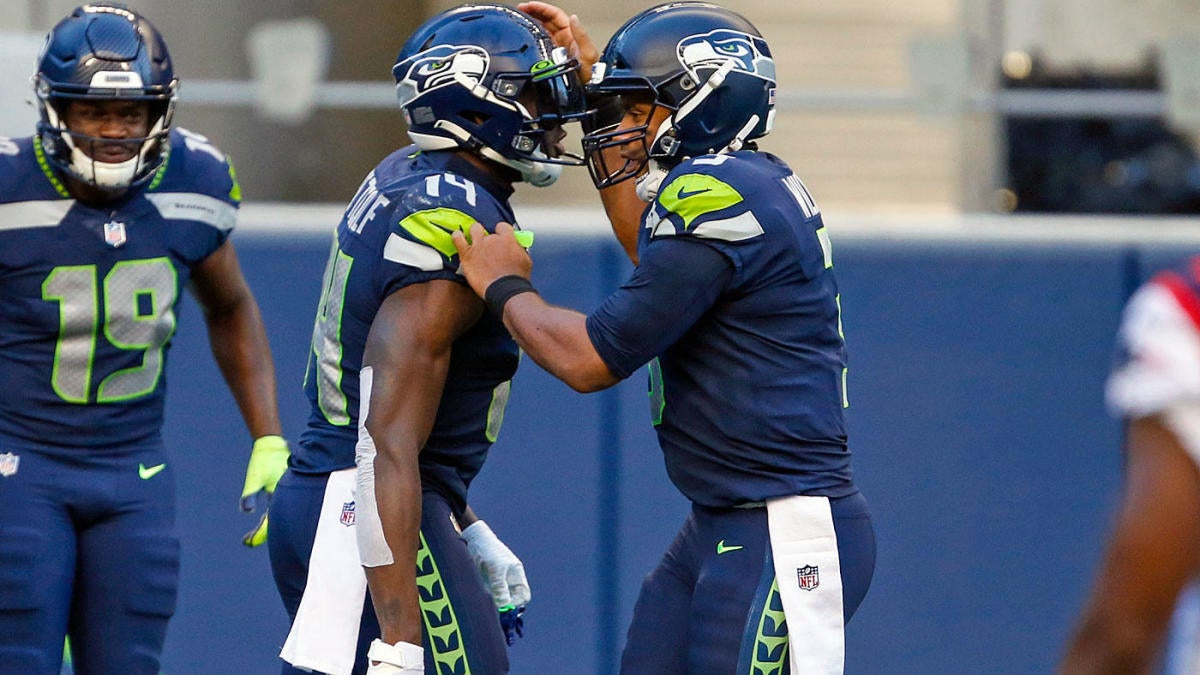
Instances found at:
x=1160 y=331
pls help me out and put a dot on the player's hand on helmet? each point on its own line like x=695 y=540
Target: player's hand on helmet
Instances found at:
x=268 y=461
x=503 y=573
x=567 y=32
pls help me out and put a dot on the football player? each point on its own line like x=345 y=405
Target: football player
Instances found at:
x=1154 y=551
x=409 y=375
x=107 y=214
x=734 y=305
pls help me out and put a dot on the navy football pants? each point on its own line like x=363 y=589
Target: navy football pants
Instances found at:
x=456 y=606
x=699 y=611
x=87 y=547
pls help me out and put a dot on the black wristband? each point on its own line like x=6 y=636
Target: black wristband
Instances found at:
x=503 y=289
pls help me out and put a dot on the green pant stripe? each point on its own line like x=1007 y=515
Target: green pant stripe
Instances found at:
x=771 y=643
x=441 y=625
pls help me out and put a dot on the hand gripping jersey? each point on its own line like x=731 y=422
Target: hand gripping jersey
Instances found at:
x=1157 y=370
x=89 y=294
x=396 y=232
x=735 y=292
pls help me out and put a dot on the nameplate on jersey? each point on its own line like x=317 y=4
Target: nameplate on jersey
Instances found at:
x=40 y=213
x=194 y=206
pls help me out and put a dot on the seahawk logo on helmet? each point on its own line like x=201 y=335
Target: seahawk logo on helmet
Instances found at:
x=715 y=48
x=440 y=66
x=488 y=79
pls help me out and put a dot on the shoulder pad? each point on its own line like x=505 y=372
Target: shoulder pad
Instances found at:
x=702 y=202
x=427 y=214
x=196 y=165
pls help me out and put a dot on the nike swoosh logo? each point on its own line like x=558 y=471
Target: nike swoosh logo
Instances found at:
x=684 y=193
x=148 y=472
x=722 y=548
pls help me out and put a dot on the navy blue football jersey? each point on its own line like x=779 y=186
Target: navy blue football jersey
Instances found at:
x=396 y=232
x=734 y=293
x=89 y=294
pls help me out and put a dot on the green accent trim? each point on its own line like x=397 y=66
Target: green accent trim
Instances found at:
x=331 y=399
x=148 y=472
x=722 y=548
x=845 y=392
x=162 y=168
x=658 y=397
x=838 y=299
x=69 y=307
x=44 y=165
x=153 y=352
x=826 y=246
x=770 y=655
x=695 y=194
x=544 y=70
x=235 y=192
x=524 y=238
x=495 y=413
x=437 y=613
x=433 y=227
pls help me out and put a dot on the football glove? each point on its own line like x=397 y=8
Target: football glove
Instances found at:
x=503 y=574
x=268 y=461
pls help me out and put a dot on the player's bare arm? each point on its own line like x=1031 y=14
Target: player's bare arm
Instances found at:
x=238 y=338
x=408 y=351
x=554 y=337
x=1153 y=553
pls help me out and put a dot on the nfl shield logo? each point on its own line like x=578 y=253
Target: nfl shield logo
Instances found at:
x=114 y=233
x=347 y=518
x=8 y=464
x=810 y=577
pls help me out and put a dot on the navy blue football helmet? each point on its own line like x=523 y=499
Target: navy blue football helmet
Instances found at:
x=488 y=78
x=104 y=52
x=707 y=65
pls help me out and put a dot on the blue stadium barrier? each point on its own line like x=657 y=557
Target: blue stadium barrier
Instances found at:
x=977 y=422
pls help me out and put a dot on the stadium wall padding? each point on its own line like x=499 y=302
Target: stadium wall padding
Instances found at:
x=976 y=419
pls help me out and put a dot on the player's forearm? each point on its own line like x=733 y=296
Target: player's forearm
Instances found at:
x=240 y=347
x=556 y=339
x=394 y=587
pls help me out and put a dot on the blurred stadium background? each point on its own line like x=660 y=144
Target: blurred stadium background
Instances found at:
x=997 y=175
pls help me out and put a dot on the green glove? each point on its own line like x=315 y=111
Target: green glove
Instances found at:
x=268 y=461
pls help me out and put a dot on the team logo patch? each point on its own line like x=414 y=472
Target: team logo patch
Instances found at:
x=9 y=463
x=348 y=514
x=809 y=577
x=114 y=233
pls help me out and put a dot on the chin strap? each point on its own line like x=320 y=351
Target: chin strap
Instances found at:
x=537 y=174
x=649 y=183
x=107 y=175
